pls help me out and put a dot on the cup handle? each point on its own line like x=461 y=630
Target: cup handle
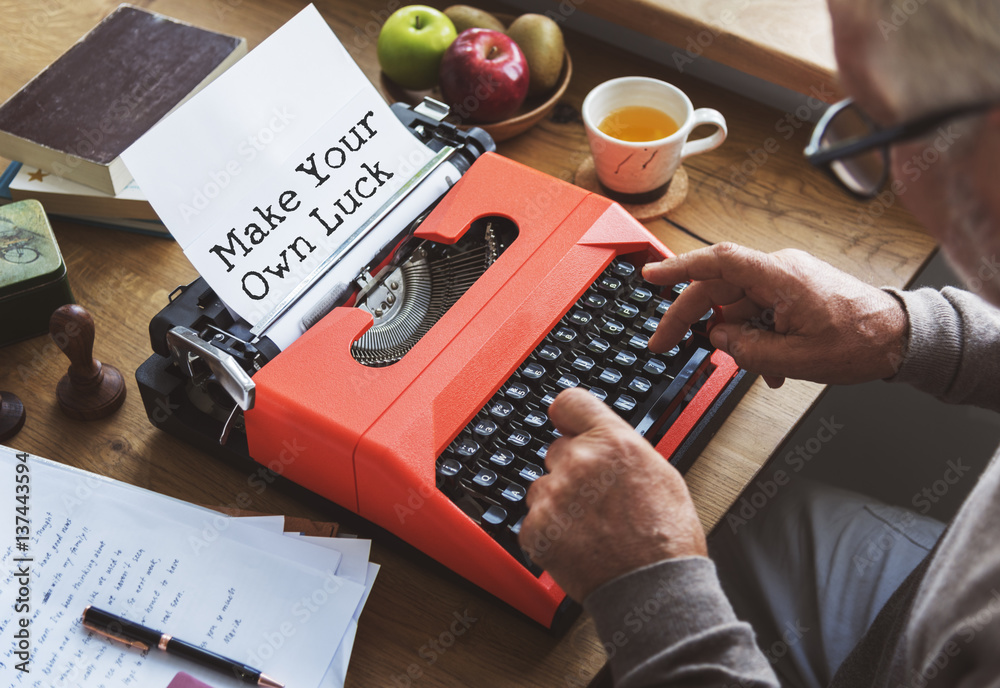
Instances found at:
x=706 y=116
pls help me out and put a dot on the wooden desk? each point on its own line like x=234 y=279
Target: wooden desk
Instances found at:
x=785 y=42
x=767 y=198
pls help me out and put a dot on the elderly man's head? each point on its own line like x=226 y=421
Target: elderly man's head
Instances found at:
x=901 y=59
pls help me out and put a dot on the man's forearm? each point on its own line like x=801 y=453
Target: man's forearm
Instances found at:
x=670 y=624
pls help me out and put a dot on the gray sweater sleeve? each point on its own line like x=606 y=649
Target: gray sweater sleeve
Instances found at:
x=953 y=348
x=670 y=624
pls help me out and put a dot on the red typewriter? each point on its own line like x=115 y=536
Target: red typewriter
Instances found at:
x=419 y=400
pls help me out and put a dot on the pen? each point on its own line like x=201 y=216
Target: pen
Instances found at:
x=135 y=635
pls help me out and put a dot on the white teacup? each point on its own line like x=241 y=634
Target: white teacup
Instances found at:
x=643 y=168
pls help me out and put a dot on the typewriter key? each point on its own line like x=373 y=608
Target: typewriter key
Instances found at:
x=502 y=457
x=624 y=359
x=625 y=403
x=531 y=472
x=640 y=295
x=622 y=269
x=500 y=408
x=536 y=419
x=517 y=390
x=626 y=311
x=549 y=353
x=639 y=342
x=596 y=301
x=533 y=371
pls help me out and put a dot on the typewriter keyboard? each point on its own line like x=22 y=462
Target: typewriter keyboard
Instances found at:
x=599 y=345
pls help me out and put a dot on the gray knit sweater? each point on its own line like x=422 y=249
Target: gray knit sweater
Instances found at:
x=669 y=624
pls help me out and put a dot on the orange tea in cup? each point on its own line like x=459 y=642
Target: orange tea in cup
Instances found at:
x=638 y=123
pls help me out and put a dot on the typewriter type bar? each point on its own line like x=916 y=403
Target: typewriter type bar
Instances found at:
x=426 y=414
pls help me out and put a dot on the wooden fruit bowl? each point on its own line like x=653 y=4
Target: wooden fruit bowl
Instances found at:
x=533 y=110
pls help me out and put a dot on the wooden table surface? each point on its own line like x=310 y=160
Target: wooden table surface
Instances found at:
x=785 y=42
x=755 y=189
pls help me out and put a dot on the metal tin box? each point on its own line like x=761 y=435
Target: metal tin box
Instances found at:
x=33 y=281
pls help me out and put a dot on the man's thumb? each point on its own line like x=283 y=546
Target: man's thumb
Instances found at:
x=751 y=348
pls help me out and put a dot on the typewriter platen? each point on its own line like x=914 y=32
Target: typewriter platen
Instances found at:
x=418 y=400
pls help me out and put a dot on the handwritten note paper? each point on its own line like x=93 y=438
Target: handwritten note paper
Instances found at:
x=274 y=602
x=268 y=170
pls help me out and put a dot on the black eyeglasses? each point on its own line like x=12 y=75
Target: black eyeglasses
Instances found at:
x=855 y=151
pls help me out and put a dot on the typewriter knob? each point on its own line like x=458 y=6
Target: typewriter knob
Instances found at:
x=89 y=390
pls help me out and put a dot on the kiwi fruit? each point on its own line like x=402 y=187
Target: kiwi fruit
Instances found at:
x=465 y=17
x=541 y=41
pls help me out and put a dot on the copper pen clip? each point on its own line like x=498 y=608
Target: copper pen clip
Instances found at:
x=131 y=643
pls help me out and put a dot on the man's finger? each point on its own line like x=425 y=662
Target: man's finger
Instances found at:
x=740 y=312
x=556 y=453
x=575 y=411
x=759 y=351
x=688 y=308
x=536 y=489
x=743 y=267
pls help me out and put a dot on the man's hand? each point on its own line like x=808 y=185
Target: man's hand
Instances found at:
x=609 y=503
x=784 y=314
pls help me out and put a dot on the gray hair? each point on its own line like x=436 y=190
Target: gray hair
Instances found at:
x=940 y=52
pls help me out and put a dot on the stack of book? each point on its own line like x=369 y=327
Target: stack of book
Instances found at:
x=67 y=127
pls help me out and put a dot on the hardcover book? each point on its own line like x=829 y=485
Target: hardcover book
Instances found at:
x=79 y=204
x=76 y=117
x=61 y=196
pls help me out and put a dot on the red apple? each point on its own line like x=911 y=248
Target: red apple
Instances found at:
x=484 y=76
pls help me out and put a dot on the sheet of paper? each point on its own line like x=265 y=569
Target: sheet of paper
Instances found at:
x=272 y=524
x=269 y=169
x=336 y=676
x=271 y=601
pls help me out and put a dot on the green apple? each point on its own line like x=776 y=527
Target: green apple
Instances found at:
x=412 y=43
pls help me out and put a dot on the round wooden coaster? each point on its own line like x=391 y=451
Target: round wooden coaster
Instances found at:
x=586 y=177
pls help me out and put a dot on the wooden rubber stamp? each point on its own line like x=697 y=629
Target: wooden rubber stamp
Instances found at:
x=90 y=389
x=12 y=415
